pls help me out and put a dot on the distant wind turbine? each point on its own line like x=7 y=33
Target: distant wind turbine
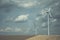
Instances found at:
x=35 y=27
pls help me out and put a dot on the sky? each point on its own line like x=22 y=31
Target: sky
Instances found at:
x=29 y=17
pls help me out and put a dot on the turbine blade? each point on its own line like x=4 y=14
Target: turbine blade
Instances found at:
x=49 y=9
x=50 y=14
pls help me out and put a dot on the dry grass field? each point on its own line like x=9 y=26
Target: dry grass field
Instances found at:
x=38 y=37
x=45 y=37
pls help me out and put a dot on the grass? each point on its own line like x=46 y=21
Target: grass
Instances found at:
x=45 y=37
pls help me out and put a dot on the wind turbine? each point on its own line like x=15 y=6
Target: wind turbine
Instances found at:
x=48 y=15
x=35 y=27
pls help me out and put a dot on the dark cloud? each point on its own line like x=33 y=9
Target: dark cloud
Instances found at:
x=12 y=10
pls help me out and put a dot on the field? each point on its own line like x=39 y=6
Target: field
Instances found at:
x=45 y=37
x=13 y=37
x=38 y=37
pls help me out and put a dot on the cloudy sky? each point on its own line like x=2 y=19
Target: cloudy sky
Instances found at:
x=29 y=17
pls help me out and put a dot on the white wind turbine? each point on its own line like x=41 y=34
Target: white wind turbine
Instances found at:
x=48 y=12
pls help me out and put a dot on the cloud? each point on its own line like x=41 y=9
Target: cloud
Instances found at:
x=18 y=29
x=29 y=4
x=54 y=20
x=57 y=3
x=37 y=18
x=9 y=29
x=25 y=4
x=21 y=18
x=44 y=24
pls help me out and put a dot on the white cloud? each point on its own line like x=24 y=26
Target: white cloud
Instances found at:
x=37 y=18
x=29 y=4
x=18 y=29
x=21 y=18
x=25 y=4
x=44 y=24
x=17 y=19
x=54 y=20
x=9 y=29
x=57 y=3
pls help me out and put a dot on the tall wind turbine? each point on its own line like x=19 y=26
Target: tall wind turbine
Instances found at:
x=48 y=15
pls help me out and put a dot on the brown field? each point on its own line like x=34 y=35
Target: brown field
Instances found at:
x=14 y=37
x=38 y=37
x=45 y=37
